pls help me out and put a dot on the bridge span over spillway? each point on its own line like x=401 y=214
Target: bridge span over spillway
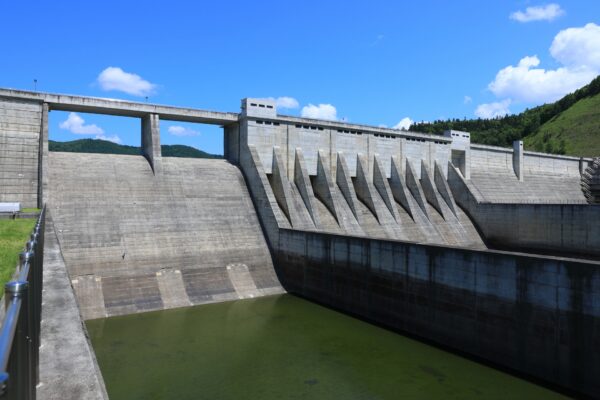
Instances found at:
x=402 y=228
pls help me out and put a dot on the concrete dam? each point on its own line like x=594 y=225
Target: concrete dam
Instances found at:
x=489 y=251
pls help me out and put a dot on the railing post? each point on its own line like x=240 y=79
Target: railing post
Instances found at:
x=35 y=300
x=3 y=383
x=20 y=382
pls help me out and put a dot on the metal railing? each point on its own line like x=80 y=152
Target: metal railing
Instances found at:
x=20 y=334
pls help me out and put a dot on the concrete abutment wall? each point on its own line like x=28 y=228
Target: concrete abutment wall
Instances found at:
x=558 y=228
x=21 y=130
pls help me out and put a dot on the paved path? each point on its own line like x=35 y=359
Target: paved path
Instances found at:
x=68 y=369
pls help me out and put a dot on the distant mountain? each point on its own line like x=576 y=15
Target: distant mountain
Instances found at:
x=106 y=147
x=569 y=126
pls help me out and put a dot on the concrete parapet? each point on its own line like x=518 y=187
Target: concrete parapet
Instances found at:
x=98 y=105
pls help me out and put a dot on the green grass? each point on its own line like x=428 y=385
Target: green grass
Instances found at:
x=575 y=131
x=30 y=210
x=14 y=233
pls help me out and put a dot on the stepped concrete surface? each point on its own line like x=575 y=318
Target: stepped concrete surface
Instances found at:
x=502 y=186
x=68 y=368
x=590 y=182
x=132 y=240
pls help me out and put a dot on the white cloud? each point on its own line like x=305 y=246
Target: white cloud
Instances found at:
x=75 y=124
x=493 y=110
x=537 y=85
x=578 y=49
x=404 y=124
x=177 y=130
x=547 y=12
x=114 y=78
x=382 y=126
x=322 y=111
x=467 y=100
x=113 y=138
x=286 y=102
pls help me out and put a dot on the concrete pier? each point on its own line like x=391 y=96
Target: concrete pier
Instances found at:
x=151 y=142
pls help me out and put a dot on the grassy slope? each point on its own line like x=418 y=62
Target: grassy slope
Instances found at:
x=568 y=126
x=13 y=236
x=577 y=129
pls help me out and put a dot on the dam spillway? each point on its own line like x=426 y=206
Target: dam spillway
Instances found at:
x=137 y=242
x=399 y=228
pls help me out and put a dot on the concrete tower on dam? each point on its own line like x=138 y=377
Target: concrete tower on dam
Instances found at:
x=491 y=251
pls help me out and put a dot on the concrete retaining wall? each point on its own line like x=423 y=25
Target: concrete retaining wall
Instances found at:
x=557 y=228
x=20 y=126
x=539 y=316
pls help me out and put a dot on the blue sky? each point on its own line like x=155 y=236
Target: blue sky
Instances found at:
x=367 y=62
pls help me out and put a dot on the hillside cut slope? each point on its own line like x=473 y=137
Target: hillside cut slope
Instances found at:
x=575 y=131
x=569 y=126
x=136 y=242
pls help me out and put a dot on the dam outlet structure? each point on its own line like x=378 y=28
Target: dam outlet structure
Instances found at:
x=489 y=251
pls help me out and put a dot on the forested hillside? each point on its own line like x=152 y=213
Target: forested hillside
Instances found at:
x=569 y=126
x=105 y=147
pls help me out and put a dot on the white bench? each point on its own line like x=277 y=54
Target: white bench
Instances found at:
x=10 y=208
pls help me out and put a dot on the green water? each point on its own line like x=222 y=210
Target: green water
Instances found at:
x=282 y=347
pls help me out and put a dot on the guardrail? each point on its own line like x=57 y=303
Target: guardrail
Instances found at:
x=20 y=334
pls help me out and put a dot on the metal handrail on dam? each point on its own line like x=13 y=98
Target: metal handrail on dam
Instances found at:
x=20 y=334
